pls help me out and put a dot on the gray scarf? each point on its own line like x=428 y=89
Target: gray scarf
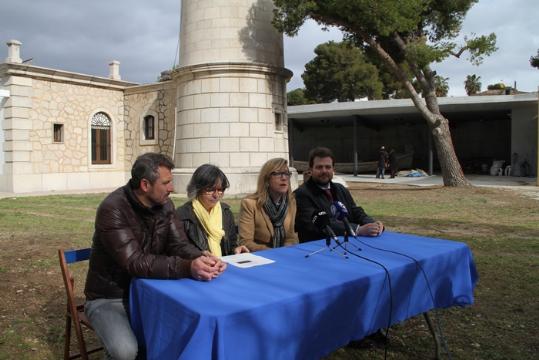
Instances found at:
x=277 y=214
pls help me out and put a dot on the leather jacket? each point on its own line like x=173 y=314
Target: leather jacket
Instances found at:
x=197 y=235
x=132 y=240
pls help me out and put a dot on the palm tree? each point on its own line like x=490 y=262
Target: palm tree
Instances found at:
x=442 y=86
x=472 y=84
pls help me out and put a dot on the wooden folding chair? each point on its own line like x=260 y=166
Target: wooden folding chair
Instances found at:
x=75 y=312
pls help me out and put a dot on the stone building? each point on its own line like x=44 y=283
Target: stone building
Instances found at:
x=225 y=104
x=68 y=131
x=231 y=90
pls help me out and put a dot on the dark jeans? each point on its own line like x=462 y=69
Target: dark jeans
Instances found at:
x=380 y=172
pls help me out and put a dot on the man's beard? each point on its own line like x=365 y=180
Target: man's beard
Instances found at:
x=321 y=182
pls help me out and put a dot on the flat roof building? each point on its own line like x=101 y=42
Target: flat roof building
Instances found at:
x=483 y=128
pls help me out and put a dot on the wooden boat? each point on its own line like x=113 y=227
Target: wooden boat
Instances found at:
x=404 y=161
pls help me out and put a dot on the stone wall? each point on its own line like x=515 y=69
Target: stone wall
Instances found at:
x=229 y=31
x=39 y=99
x=73 y=106
x=227 y=118
x=158 y=100
x=524 y=136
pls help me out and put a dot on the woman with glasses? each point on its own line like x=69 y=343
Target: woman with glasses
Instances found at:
x=267 y=216
x=208 y=222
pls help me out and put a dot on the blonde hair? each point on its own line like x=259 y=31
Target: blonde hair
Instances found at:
x=261 y=194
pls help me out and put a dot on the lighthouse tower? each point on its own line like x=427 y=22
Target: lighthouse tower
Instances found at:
x=230 y=94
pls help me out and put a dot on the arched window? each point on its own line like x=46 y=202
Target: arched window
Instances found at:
x=149 y=127
x=101 y=146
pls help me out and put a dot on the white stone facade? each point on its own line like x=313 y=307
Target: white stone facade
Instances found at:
x=231 y=96
x=214 y=31
x=35 y=100
x=4 y=96
x=213 y=119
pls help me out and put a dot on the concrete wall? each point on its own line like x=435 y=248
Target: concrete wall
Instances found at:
x=524 y=135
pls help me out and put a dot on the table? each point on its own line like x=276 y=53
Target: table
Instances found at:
x=298 y=307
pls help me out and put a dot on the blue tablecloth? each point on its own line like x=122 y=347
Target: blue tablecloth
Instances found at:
x=298 y=307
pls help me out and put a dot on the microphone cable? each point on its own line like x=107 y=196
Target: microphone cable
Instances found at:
x=390 y=291
x=418 y=266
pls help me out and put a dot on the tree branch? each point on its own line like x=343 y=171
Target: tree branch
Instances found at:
x=417 y=72
x=425 y=76
x=401 y=75
x=459 y=53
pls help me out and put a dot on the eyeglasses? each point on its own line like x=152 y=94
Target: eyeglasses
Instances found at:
x=212 y=191
x=281 y=174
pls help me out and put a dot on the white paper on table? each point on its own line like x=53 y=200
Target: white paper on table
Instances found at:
x=246 y=260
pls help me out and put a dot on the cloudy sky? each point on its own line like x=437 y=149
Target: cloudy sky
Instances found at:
x=83 y=36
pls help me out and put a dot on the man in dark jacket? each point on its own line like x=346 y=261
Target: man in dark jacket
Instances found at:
x=320 y=193
x=382 y=162
x=137 y=234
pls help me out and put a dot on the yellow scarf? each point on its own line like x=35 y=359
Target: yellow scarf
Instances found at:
x=212 y=222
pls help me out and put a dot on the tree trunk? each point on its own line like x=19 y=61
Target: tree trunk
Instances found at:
x=429 y=109
x=439 y=127
x=451 y=169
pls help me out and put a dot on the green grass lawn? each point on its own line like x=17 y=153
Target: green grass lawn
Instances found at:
x=501 y=227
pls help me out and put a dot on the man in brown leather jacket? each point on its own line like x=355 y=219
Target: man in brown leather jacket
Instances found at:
x=138 y=234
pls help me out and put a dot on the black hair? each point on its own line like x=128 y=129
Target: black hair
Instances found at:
x=205 y=177
x=147 y=167
x=320 y=152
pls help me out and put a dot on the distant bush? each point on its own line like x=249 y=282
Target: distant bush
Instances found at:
x=498 y=86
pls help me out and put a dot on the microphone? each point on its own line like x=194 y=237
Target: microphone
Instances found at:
x=341 y=213
x=320 y=219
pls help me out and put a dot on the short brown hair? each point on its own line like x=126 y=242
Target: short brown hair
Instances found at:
x=320 y=152
x=147 y=167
